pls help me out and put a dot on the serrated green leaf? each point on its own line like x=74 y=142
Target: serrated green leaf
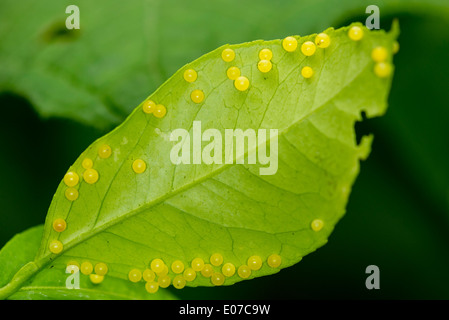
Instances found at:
x=185 y=211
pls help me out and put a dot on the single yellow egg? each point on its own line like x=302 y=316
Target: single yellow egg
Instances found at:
x=317 y=224
x=160 y=111
x=90 y=176
x=86 y=268
x=228 y=55
x=73 y=263
x=101 y=269
x=207 y=270
x=307 y=72
x=241 y=83
x=71 y=179
x=149 y=106
x=254 y=262
x=179 y=282
x=87 y=163
x=139 y=166
x=151 y=286
x=274 y=260
x=233 y=73
x=71 y=194
x=164 y=281
x=56 y=246
x=290 y=44
x=189 y=274
x=355 y=33
x=197 y=264
x=244 y=271
x=322 y=40
x=382 y=69
x=190 y=75
x=379 y=54
x=197 y=96
x=177 y=266
x=96 y=278
x=104 y=151
x=148 y=275
x=308 y=48
x=135 y=275
x=265 y=54
x=395 y=47
x=264 y=66
x=59 y=225
x=157 y=265
x=228 y=269
x=217 y=279
x=216 y=259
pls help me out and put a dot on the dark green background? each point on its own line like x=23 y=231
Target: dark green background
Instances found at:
x=398 y=213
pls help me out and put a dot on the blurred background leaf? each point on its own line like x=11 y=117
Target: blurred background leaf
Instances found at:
x=63 y=89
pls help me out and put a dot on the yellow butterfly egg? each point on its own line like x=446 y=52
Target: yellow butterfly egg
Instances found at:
x=254 y=262
x=233 y=73
x=104 y=151
x=197 y=264
x=317 y=225
x=96 y=278
x=56 y=246
x=101 y=269
x=308 y=48
x=189 y=274
x=149 y=106
x=395 y=47
x=135 y=275
x=244 y=271
x=228 y=55
x=148 y=275
x=164 y=271
x=241 y=83
x=87 y=163
x=71 y=194
x=197 y=96
x=382 y=69
x=379 y=54
x=160 y=111
x=290 y=44
x=90 y=176
x=73 y=263
x=228 y=269
x=177 y=266
x=355 y=33
x=265 y=54
x=322 y=40
x=179 y=282
x=307 y=72
x=157 y=265
x=190 y=75
x=216 y=259
x=86 y=268
x=59 y=225
x=151 y=287
x=217 y=279
x=139 y=166
x=264 y=66
x=207 y=271
x=164 y=281
x=274 y=261
x=71 y=179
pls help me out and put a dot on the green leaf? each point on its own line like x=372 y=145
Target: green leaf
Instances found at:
x=98 y=74
x=22 y=248
x=181 y=212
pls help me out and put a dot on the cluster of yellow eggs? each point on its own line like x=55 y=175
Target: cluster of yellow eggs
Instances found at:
x=159 y=275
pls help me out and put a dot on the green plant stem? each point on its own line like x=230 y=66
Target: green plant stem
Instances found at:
x=19 y=278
